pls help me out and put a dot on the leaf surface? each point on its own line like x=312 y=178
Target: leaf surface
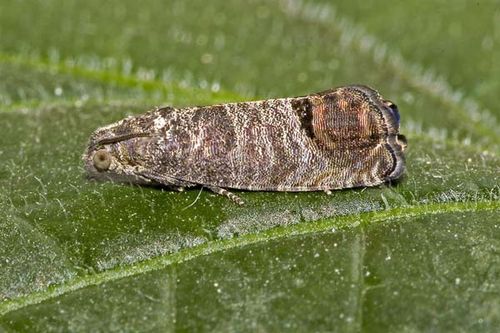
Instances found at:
x=418 y=255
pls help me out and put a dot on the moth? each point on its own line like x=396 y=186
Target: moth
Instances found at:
x=335 y=139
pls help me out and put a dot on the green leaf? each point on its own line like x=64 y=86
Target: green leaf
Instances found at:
x=418 y=255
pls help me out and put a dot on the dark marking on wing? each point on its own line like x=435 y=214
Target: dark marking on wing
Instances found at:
x=304 y=110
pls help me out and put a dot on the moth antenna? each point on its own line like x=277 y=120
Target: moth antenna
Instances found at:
x=122 y=138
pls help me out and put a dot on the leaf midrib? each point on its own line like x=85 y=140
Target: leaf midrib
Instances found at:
x=163 y=261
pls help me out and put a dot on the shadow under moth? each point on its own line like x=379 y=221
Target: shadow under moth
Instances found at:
x=339 y=138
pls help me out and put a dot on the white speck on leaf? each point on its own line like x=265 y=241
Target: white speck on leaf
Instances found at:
x=58 y=91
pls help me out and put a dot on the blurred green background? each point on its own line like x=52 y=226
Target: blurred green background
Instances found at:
x=419 y=255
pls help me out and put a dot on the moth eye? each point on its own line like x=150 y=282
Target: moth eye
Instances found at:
x=102 y=160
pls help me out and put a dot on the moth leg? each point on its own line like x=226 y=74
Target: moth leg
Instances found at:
x=328 y=192
x=226 y=193
x=166 y=180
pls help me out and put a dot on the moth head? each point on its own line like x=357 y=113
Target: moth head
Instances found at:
x=103 y=163
x=117 y=152
x=100 y=162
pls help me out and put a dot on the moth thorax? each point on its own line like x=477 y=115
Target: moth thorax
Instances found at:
x=135 y=151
